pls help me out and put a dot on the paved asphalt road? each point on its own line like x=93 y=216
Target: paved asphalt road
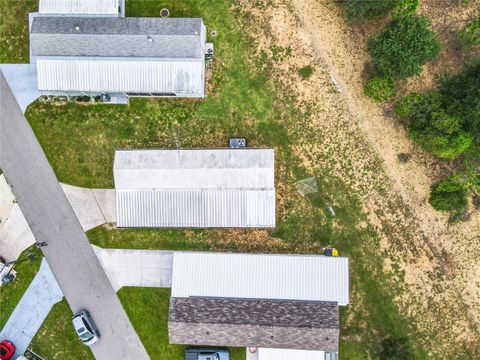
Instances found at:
x=51 y=218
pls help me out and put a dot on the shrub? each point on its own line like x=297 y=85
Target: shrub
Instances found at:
x=421 y=109
x=403 y=46
x=446 y=147
x=306 y=71
x=448 y=195
x=462 y=96
x=470 y=34
x=358 y=10
x=406 y=7
x=404 y=107
x=380 y=89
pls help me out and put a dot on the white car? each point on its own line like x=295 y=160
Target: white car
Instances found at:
x=85 y=328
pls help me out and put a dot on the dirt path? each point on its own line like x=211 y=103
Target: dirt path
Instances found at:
x=352 y=138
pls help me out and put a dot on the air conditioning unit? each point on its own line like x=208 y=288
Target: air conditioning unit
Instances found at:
x=209 y=51
x=237 y=143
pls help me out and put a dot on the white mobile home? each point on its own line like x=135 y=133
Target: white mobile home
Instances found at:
x=195 y=188
x=132 y=56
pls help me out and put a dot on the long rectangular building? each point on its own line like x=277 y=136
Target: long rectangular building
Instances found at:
x=135 y=56
x=258 y=300
x=195 y=188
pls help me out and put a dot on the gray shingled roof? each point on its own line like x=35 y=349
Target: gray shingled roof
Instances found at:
x=254 y=323
x=116 y=37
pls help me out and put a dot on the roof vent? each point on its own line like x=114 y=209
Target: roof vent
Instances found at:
x=150 y=39
x=77 y=27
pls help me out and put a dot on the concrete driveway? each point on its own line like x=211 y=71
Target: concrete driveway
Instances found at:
x=93 y=207
x=33 y=308
x=145 y=268
x=23 y=82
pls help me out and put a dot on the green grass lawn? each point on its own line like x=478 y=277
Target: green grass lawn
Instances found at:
x=11 y=294
x=242 y=100
x=57 y=339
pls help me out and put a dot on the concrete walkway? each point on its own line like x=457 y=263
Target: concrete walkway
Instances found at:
x=23 y=81
x=15 y=234
x=6 y=200
x=32 y=309
x=93 y=207
x=144 y=268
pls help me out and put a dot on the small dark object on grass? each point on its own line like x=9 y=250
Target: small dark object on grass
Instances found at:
x=306 y=71
x=404 y=157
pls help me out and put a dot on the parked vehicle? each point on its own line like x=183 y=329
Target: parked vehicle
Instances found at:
x=206 y=354
x=85 y=328
x=7 y=349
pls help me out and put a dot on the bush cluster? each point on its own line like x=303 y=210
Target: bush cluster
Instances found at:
x=358 y=10
x=403 y=47
x=447 y=122
x=448 y=195
x=380 y=89
x=470 y=34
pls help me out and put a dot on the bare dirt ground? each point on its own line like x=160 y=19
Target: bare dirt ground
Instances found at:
x=357 y=141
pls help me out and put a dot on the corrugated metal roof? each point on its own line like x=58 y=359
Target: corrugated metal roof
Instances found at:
x=195 y=188
x=179 y=77
x=99 y=7
x=261 y=276
x=195 y=208
x=117 y=37
x=289 y=354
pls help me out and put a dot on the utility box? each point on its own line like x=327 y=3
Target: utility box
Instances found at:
x=235 y=143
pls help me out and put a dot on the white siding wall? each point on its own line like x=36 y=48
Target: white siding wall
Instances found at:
x=283 y=277
x=103 y=7
x=181 y=77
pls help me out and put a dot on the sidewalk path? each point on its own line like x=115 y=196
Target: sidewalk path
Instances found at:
x=32 y=309
x=145 y=268
x=52 y=219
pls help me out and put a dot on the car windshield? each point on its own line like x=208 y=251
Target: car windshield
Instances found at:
x=3 y=351
x=85 y=336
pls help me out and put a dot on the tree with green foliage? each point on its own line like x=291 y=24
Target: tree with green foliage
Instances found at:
x=449 y=195
x=403 y=47
x=470 y=34
x=461 y=96
x=442 y=135
x=380 y=89
x=359 y=10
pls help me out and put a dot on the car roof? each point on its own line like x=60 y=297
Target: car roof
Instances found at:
x=77 y=321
